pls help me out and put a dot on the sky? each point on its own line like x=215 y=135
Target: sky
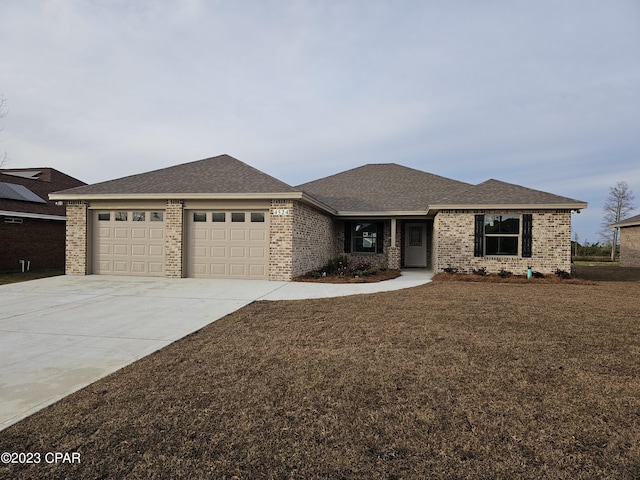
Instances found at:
x=544 y=94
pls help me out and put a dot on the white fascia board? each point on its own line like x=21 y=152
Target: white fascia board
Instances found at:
x=195 y=196
x=504 y=206
x=40 y=216
x=383 y=214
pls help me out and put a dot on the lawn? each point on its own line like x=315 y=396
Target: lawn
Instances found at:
x=448 y=380
x=15 y=277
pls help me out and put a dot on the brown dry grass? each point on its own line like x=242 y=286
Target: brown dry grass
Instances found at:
x=447 y=380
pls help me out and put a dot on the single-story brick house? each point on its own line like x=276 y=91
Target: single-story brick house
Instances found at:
x=629 y=241
x=32 y=227
x=220 y=217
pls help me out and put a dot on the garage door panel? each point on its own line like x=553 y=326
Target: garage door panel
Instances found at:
x=120 y=266
x=257 y=235
x=139 y=233
x=138 y=267
x=258 y=270
x=125 y=247
x=218 y=234
x=257 y=253
x=120 y=232
x=139 y=250
x=234 y=249
x=219 y=269
x=237 y=270
x=156 y=268
x=238 y=235
x=121 y=249
x=156 y=233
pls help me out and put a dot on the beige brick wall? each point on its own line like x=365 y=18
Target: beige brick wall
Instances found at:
x=77 y=238
x=174 y=244
x=453 y=241
x=385 y=260
x=281 y=215
x=630 y=246
x=313 y=239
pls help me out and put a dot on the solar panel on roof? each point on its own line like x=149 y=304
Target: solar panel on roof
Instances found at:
x=12 y=191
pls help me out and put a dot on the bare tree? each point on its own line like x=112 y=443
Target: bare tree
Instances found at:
x=3 y=112
x=618 y=206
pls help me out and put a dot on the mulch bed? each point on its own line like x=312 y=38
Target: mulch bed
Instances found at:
x=446 y=380
x=378 y=277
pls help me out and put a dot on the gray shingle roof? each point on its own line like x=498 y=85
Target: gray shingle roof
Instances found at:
x=221 y=174
x=496 y=192
x=380 y=188
x=628 y=222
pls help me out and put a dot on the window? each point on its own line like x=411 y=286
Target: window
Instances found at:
x=219 y=217
x=199 y=217
x=139 y=216
x=497 y=235
x=104 y=217
x=363 y=237
x=12 y=220
x=157 y=216
x=501 y=234
x=121 y=216
x=257 y=217
x=237 y=217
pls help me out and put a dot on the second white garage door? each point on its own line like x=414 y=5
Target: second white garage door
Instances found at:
x=228 y=244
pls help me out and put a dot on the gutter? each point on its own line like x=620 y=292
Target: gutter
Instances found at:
x=39 y=216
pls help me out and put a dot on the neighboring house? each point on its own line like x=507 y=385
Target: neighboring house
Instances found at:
x=629 y=241
x=32 y=227
x=219 y=217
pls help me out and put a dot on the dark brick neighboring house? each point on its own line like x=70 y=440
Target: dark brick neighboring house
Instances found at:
x=32 y=227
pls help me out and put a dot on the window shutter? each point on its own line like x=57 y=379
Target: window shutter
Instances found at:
x=347 y=237
x=478 y=249
x=527 y=237
x=380 y=237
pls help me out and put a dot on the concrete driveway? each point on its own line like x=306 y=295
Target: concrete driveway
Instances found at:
x=60 y=334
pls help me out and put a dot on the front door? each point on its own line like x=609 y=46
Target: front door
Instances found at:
x=415 y=245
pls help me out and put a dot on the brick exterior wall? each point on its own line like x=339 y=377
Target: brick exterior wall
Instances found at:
x=313 y=239
x=630 y=246
x=381 y=260
x=41 y=242
x=281 y=240
x=453 y=242
x=174 y=245
x=76 y=232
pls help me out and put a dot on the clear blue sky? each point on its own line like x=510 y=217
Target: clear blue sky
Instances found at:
x=544 y=94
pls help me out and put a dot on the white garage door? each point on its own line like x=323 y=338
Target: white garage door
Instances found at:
x=228 y=244
x=128 y=242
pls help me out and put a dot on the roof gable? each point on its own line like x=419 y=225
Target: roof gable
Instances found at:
x=221 y=174
x=382 y=187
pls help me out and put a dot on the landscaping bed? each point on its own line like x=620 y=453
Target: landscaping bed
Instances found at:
x=379 y=276
x=445 y=380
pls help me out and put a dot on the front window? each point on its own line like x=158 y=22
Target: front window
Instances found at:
x=366 y=237
x=501 y=234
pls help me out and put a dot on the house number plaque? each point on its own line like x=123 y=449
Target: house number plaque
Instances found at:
x=281 y=211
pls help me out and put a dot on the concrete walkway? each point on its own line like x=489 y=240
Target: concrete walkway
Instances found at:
x=60 y=334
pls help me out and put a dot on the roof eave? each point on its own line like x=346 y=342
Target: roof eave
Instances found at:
x=193 y=196
x=39 y=216
x=510 y=206
x=382 y=213
x=625 y=224
x=165 y=196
